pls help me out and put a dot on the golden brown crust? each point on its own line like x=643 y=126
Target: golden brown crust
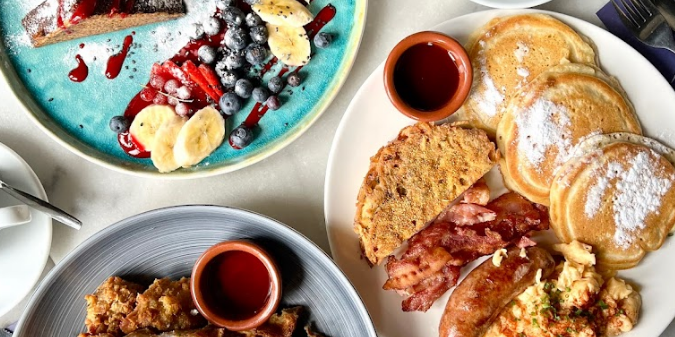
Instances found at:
x=109 y=304
x=412 y=179
x=166 y=305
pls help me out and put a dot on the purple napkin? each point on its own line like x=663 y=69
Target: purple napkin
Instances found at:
x=662 y=59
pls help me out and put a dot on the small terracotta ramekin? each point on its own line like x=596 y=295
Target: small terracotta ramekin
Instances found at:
x=201 y=303
x=462 y=62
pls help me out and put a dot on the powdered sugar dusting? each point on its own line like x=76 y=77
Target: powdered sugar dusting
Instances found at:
x=521 y=51
x=542 y=126
x=639 y=190
x=639 y=193
x=523 y=72
x=491 y=97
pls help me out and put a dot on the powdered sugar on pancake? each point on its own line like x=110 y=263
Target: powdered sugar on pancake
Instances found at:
x=521 y=51
x=639 y=191
x=542 y=126
x=491 y=97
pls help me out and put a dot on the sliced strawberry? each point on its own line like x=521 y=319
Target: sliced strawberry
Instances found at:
x=211 y=79
x=177 y=73
x=197 y=77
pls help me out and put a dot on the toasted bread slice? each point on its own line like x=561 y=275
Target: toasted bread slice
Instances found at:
x=412 y=179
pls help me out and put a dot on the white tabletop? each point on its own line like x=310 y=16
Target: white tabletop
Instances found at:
x=287 y=186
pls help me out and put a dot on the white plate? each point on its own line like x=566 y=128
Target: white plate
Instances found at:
x=371 y=122
x=510 y=4
x=24 y=249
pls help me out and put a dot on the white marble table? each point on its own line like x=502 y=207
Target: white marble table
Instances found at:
x=287 y=186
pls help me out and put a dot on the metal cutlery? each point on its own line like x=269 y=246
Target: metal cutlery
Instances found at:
x=41 y=205
x=667 y=9
x=643 y=19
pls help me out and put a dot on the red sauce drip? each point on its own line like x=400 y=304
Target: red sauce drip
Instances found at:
x=59 y=15
x=81 y=72
x=81 y=45
x=236 y=284
x=116 y=61
x=320 y=20
x=131 y=147
x=426 y=77
x=82 y=10
x=115 y=7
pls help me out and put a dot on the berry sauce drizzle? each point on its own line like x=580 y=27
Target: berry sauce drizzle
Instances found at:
x=81 y=72
x=259 y=110
x=189 y=53
x=116 y=61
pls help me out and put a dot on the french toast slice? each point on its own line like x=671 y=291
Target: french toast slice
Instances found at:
x=413 y=178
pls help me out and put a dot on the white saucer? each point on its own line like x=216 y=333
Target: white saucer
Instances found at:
x=24 y=249
x=510 y=4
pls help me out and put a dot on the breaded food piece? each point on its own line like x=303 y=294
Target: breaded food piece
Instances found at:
x=105 y=334
x=108 y=305
x=312 y=333
x=413 y=178
x=279 y=325
x=166 y=305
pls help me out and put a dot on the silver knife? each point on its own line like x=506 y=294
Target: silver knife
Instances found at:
x=41 y=205
x=667 y=9
x=5 y=333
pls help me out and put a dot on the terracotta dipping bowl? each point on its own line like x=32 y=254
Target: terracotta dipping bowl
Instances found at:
x=457 y=54
x=200 y=293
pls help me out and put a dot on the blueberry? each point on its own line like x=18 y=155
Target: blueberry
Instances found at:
x=259 y=34
x=243 y=88
x=275 y=84
x=294 y=80
x=207 y=54
x=120 y=124
x=233 y=16
x=240 y=137
x=252 y=2
x=230 y=103
x=256 y=53
x=252 y=19
x=260 y=94
x=236 y=38
x=222 y=4
x=196 y=31
x=323 y=40
x=273 y=103
x=211 y=26
x=233 y=59
x=227 y=77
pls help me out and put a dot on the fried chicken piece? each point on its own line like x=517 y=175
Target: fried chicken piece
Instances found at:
x=279 y=325
x=108 y=305
x=105 y=334
x=312 y=333
x=165 y=306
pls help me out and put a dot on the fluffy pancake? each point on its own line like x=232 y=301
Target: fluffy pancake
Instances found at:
x=556 y=110
x=617 y=194
x=510 y=51
x=412 y=179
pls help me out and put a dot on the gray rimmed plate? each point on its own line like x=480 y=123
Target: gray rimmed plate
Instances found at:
x=167 y=242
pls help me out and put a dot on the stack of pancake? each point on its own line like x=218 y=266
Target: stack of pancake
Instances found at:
x=540 y=92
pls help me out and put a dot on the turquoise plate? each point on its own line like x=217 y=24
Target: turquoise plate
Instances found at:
x=77 y=114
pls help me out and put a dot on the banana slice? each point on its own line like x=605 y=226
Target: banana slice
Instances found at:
x=199 y=137
x=289 y=44
x=283 y=12
x=162 y=151
x=147 y=122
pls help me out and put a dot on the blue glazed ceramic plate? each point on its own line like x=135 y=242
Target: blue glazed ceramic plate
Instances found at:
x=77 y=114
x=167 y=243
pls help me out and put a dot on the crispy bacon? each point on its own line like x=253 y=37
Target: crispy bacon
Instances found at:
x=431 y=264
x=478 y=193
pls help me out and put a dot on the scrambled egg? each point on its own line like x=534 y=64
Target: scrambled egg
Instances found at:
x=577 y=301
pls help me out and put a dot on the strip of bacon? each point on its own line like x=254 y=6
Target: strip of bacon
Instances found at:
x=431 y=264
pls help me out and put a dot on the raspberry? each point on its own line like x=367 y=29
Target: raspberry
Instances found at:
x=171 y=86
x=157 y=81
x=148 y=94
x=159 y=99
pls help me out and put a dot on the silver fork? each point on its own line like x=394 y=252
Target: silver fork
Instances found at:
x=643 y=19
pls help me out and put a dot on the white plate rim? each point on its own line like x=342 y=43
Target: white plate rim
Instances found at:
x=34 y=181
x=501 y=4
x=580 y=25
